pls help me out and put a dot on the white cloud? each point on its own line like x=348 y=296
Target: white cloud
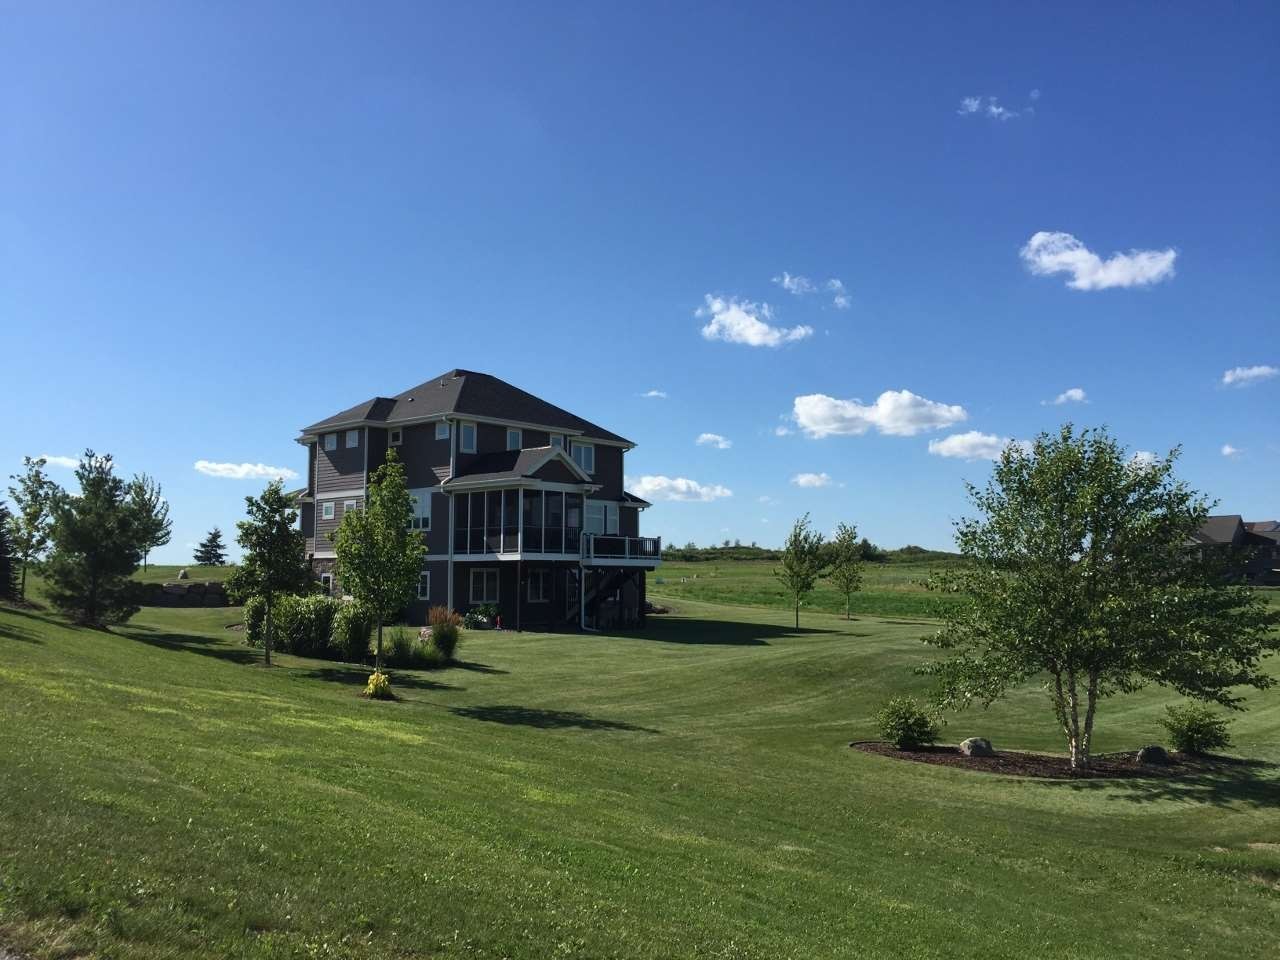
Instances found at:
x=802 y=286
x=986 y=106
x=1050 y=252
x=676 y=488
x=1229 y=451
x=1244 y=376
x=244 y=471
x=899 y=413
x=765 y=499
x=1143 y=458
x=54 y=460
x=811 y=480
x=797 y=285
x=740 y=321
x=654 y=394
x=973 y=446
x=1035 y=94
x=782 y=430
x=714 y=440
x=1073 y=395
x=840 y=295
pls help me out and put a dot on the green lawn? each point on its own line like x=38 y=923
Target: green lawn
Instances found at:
x=888 y=589
x=168 y=573
x=682 y=792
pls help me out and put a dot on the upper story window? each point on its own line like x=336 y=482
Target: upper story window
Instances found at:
x=326 y=510
x=348 y=506
x=396 y=437
x=602 y=517
x=353 y=438
x=331 y=441
x=442 y=430
x=467 y=437
x=515 y=439
x=557 y=441
x=421 y=519
x=584 y=455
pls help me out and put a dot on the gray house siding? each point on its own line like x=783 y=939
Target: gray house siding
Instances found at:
x=426 y=459
x=608 y=472
x=341 y=468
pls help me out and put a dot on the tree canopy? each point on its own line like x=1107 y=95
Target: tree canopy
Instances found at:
x=274 y=561
x=801 y=563
x=844 y=554
x=30 y=526
x=211 y=551
x=151 y=514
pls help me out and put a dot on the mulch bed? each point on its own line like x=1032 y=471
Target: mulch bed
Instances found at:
x=1017 y=764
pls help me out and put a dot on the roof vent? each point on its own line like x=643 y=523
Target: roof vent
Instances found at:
x=411 y=399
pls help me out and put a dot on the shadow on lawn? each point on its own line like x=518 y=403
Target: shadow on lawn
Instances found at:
x=21 y=634
x=193 y=643
x=1224 y=782
x=544 y=719
x=359 y=676
x=729 y=633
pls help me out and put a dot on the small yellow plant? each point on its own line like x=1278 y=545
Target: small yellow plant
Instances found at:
x=379 y=687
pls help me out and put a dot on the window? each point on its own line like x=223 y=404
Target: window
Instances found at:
x=326 y=584
x=602 y=517
x=397 y=437
x=584 y=455
x=539 y=586
x=611 y=519
x=557 y=441
x=349 y=505
x=442 y=430
x=424 y=585
x=515 y=440
x=467 y=437
x=326 y=510
x=484 y=585
x=421 y=519
x=353 y=438
x=331 y=441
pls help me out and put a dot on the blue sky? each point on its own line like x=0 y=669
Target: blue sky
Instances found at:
x=220 y=222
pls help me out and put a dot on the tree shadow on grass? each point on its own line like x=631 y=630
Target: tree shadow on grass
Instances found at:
x=1220 y=782
x=477 y=667
x=359 y=676
x=193 y=643
x=14 y=631
x=728 y=633
x=516 y=716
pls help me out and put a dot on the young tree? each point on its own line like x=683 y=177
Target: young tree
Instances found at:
x=801 y=562
x=211 y=552
x=154 y=526
x=379 y=555
x=845 y=556
x=274 y=560
x=8 y=562
x=1079 y=569
x=97 y=544
x=29 y=527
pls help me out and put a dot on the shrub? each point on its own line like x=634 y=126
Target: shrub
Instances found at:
x=1195 y=728
x=351 y=629
x=379 y=687
x=305 y=624
x=905 y=725
x=481 y=616
x=255 y=617
x=445 y=631
x=405 y=647
x=442 y=614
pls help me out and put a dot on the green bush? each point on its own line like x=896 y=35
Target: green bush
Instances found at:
x=905 y=725
x=351 y=629
x=305 y=624
x=1195 y=728
x=379 y=687
x=485 y=614
x=255 y=616
x=404 y=646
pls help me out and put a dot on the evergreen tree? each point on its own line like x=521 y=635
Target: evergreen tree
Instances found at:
x=29 y=527
x=8 y=562
x=801 y=563
x=274 y=554
x=154 y=526
x=97 y=544
x=211 y=552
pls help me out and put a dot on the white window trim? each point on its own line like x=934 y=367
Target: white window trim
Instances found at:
x=421 y=497
x=350 y=505
x=353 y=435
x=497 y=585
x=327 y=509
x=462 y=433
x=326 y=581
x=544 y=581
x=442 y=430
x=427 y=595
x=330 y=442
x=396 y=436
x=557 y=441
x=519 y=438
x=574 y=448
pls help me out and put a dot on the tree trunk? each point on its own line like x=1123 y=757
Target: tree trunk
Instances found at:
x=377 y=658
x=1079 y=746
x=797 y=613
x=848 y=603
x=266 y=642
x=1091 y=707
x=22 y=585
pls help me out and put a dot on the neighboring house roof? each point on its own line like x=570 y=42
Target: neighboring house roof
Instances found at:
x=1265 y=528
x=632 y=498
x=463 y=393
x=1221 y=529
x=512 y=465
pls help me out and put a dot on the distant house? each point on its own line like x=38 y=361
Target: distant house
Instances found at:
x=1261 y=538
x=520 y=502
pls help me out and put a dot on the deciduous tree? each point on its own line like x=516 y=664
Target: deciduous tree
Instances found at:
x=802 y=563
x=274 y=560
x=379 y=556
x=29 y=526
x=152 y=514
x=1079 y=569
x=845 y=555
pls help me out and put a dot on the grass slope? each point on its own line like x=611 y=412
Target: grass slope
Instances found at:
x=168 y=573
x=685 y=792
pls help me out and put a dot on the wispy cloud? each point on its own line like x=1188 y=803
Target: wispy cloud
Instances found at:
x=1073 y=395
x=973 y=446
x=244 y=471
x=991 y=108
x=839 y=295
x=765 y=498
x=53 y=460
x=1247 y=376
x=795 y=284
x=1050 y=252
x=1229 y=451
x=654 y=394
x=1142 y=458
x=811 y=480
x=714 y=440
x=782 y=430
x=676 y=488
x=802 y=286
x=740 y=321
x=899 y=413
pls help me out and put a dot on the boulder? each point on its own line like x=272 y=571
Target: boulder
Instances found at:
x=1153 y=753
x=182 y=574
x=977 y=747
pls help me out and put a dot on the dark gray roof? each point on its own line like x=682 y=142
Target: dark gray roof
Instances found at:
x=507 y=465
x=1220 y=529
x=467 y=393
x=628 y=497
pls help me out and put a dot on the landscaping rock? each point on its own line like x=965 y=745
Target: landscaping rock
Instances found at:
x=1153 y=754
x=176 y=589
x=182 y=574
x=213 y=586
x=977 y=747
x=195 y=587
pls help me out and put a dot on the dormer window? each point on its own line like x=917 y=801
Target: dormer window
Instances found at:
x=515 y=439
x=353 y=439
x=584 y=455
x=467 y=437
x=396 y=437
x=557 y=441
x=442 y=430
x=330 y=441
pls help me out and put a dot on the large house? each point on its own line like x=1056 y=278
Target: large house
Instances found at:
x=1260 y=538
x=520 y=502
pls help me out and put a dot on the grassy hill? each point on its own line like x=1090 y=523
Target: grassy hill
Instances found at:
x=168 y=573
x=682 y=792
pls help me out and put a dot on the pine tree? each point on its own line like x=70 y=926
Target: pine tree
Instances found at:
x=8 y=562
x=152 y=514
x=211 y=552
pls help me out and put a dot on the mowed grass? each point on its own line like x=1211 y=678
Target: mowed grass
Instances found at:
x=888 y=589
x=168 y=573
x=686 y=791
